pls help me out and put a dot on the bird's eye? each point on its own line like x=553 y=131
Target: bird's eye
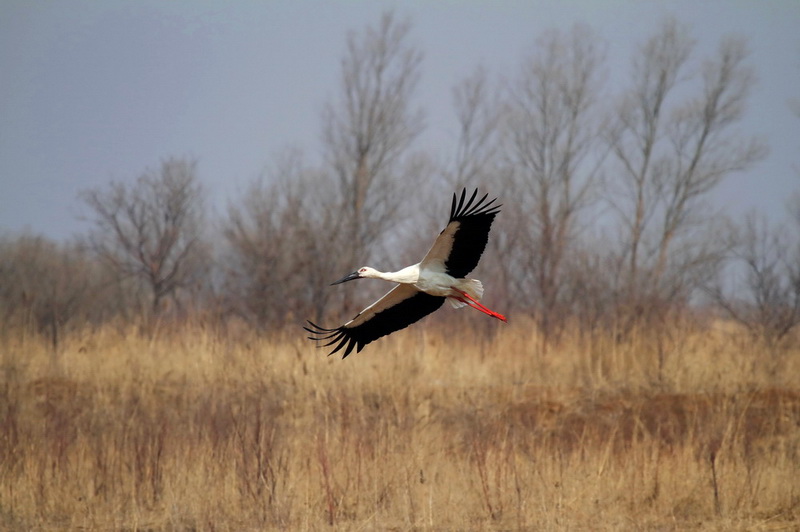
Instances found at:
x=362 y=270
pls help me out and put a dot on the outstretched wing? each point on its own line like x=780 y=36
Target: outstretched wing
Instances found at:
x=399 y=308
x=459 y=246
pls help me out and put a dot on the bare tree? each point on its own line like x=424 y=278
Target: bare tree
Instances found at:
x=46 y=286
x=281 y=242
x=370 y=128
x=298 y=228
x=152 y=230
x=638 y=130
x=766 y=299
x=551 y=123
x=673 y=141
x=477 y=109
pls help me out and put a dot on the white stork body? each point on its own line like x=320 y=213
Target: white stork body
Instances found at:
x=423 y=287
x=432 y=281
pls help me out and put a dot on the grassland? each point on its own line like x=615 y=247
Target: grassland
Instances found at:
x=429 y=429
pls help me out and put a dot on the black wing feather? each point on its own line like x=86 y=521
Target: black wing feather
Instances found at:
x=387 y=321
x=475 y=220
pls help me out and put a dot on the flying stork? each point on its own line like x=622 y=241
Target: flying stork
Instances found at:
x=425 y=286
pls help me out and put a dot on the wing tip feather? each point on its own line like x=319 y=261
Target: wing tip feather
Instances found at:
x=463 y=208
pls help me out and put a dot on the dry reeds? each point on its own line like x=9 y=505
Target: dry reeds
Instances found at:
x=424 y=430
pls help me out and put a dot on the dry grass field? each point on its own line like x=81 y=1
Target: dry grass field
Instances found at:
x=429 y=429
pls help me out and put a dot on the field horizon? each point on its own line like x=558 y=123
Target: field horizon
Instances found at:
x=433 y=428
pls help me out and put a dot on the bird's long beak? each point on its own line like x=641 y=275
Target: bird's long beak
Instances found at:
x=348 y=277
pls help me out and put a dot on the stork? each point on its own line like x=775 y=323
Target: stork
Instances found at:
x=422 y=287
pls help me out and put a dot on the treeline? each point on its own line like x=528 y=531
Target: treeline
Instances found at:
x=606 y=222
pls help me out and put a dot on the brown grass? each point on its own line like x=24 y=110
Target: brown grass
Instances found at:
x=430 y=429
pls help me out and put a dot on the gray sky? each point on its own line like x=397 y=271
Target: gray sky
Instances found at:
x=95 y=91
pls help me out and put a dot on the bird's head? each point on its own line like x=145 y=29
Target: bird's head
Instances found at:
x=362 y=273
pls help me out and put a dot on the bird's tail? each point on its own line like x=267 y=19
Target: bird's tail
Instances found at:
x=473 y=287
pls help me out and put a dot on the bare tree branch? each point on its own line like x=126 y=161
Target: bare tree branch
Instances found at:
x=367 y=132
x=152 y=230
x=551 y=124
x=766 y=301
x=671 y=153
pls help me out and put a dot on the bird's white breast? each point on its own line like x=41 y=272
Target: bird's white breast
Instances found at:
x=435 y=283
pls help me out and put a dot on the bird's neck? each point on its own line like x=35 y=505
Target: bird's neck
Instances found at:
x=408 y=275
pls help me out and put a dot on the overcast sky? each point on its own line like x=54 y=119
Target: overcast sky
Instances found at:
x=95 y=91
